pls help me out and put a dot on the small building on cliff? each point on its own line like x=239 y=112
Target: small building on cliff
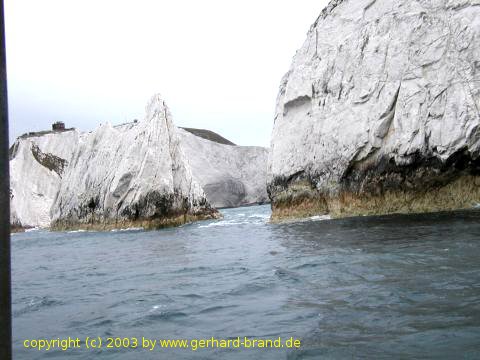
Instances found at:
x=58 y=126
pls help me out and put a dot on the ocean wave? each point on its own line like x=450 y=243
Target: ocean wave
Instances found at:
x=157 y=316
x=223 y=223
x=216 y=308
x=260 y=216
x=192 y=296
x=256 y=219
x=192 y=269
x=36 y=304
x=249 y=288
x=128 y=229
x=286 y=274
x=306 y=266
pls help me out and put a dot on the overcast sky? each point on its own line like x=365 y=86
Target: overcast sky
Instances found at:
x=217 y=63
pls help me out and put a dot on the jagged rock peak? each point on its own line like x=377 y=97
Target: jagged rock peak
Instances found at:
x=134 y=175
x=156 y=107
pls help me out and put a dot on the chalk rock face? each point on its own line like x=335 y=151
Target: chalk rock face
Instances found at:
x=230 y=175
x=130 y=175
x=146 y=174
x=37 y=165
x=379 y=112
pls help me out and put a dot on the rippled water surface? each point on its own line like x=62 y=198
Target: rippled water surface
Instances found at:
x=389 y=287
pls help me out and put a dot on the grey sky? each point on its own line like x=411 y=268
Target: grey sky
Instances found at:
x=217 y=63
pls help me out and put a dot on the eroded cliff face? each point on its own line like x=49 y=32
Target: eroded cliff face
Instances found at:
x=379 y=112
x=130 y=175
x=37 y=165
x=230 y=175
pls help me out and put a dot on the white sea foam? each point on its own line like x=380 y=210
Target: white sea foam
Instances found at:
x=236 y=221
x=223 y=223
x=128 y=229
x=320 y=217
x=309 y=219
x=260 y=216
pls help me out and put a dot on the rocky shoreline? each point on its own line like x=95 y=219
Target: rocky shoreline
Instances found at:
x=154 y=223
x=382 y=187
x=300 y=200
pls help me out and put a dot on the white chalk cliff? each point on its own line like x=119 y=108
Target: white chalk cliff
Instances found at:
x=147 y=173
x=230 y=175
x=130 y=175
x=379 y=112
x=37 y=165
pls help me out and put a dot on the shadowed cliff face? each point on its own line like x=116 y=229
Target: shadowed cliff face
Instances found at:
x=230 y=175
x=382 y=187
x=50 y=161
x=209 y=135
x=379 y=112
x=154 y=210
x=227 y=192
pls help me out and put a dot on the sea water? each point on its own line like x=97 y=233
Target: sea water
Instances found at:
x=368 y=287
